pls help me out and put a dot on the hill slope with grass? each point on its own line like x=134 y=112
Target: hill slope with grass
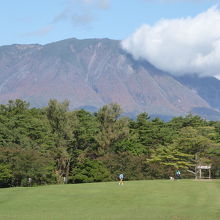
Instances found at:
x=153 y=199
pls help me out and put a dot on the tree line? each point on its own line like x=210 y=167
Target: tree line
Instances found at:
x=52 y=143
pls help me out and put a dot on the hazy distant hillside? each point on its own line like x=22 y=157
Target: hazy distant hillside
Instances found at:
x=207 y=87
x=93 y=72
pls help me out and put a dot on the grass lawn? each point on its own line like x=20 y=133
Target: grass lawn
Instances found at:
x=152 y=199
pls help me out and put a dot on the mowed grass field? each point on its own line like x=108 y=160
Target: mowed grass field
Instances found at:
x=152 y=199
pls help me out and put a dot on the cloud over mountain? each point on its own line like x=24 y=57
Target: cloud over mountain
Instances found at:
x=81 y=12
x=180 y=46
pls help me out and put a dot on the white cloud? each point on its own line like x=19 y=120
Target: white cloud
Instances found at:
x=81 y=12
x=40 y=32
x=217 y=77
x=102 y=4
x=180 y=46
x=78 y=12
x=177 y=1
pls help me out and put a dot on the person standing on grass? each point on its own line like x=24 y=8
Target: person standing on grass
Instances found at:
x=29 y=181
x=121 y=177
x=178 y=174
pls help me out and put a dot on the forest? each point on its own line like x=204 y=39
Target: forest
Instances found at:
x=53 y=144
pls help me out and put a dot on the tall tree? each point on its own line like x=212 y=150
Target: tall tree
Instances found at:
x=112 y=127
x=62 y=124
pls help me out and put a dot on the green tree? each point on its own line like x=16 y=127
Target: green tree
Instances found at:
x=112 y=127
x=165 y=160
x=5 y=175
x=24 y=163
x=61 y=123
x=88 y=171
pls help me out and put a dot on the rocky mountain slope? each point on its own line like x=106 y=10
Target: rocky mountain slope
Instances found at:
x=93 y=72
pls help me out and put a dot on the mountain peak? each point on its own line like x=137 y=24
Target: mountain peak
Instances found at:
x=91 y=72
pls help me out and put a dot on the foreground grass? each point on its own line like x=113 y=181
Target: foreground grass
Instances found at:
x=156 y=199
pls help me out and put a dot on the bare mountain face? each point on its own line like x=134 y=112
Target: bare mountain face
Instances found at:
x=209 y=89
x=90 y=73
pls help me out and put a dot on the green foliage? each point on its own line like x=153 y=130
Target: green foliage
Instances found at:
x=88 y=171
x=112 y=127
x=131 y=145
x=132 y=166
x=27 y=163
x=51 y=143
x=5 y=175
x=85 y=131
x=168 y=159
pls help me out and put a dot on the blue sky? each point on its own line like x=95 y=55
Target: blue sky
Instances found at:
x=45 y=21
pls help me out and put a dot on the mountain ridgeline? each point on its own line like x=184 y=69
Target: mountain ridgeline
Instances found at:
x=93 y=72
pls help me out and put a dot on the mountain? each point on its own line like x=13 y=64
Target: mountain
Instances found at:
x=93 y=72
x=209 y=89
